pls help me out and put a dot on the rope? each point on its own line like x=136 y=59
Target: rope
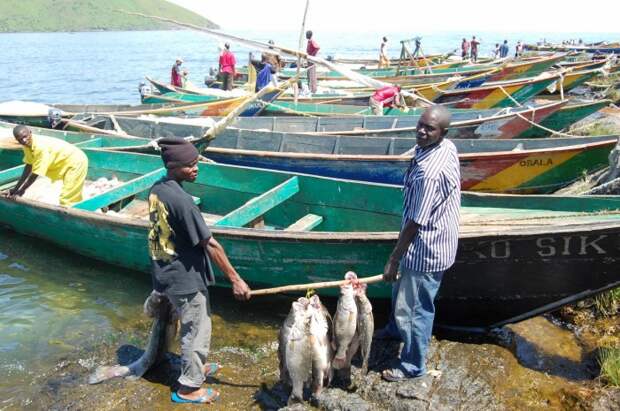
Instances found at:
x=548 y=130
x=510 y=97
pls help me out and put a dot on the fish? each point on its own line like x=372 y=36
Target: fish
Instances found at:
x=365 y=324
x=320 y=342
x=345 y=324
x=163 y=332
x=297 y=350
x=284 y=335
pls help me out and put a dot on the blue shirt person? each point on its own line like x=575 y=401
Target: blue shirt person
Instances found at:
x=427 y=242
x=503 y=49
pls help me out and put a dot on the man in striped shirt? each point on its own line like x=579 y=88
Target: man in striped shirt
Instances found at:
x=428 y=240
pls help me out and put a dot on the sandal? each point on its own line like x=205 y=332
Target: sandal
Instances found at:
x=212 y=368
x=210 y=397
x=398 y=374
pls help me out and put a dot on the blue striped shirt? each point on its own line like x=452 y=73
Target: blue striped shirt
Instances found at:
x=432 y=197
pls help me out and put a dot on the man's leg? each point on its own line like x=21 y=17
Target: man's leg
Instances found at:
x=376 y=107
x=73 y=183
x=414 y=314
x=195 y=317
x=312 y=82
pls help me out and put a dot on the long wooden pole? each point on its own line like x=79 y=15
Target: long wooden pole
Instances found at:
x=301 y=39
x=326 y=284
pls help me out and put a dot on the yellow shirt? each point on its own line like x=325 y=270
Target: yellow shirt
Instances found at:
x=52 y=157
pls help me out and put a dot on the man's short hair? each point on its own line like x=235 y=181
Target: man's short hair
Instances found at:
x=18 y=130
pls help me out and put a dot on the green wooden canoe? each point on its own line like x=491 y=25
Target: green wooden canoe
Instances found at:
x=518 y=256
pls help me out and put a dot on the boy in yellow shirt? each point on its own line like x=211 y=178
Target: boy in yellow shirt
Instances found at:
x=53 y=158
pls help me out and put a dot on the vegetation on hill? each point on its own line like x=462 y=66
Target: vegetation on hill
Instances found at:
x=91 y=15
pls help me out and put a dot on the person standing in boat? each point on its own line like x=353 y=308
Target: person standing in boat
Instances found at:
x=496 y=51
x=427 y=242
x=384 y=60
x=312 y=49
x=227 y=68
x=176 y=74
x=464 y=49
x=473 y=44
x=265 y=72
x=52 y=158
x=503 y=50
x=180 y=247
x=388 y=96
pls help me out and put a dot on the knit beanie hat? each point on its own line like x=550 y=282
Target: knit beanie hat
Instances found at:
x=177 y=152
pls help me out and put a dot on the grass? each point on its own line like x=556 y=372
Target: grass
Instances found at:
x=609 y=360
x=90 y=15
x=608 y=303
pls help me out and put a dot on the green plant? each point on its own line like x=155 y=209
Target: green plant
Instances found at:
x=609 y=360
x=608 y=303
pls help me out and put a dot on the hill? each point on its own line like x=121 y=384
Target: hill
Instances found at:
x=91 y=15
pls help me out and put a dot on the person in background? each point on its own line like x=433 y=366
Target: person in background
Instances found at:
x=503 y=50
x=181 y=248
x=265 y=72
x=272 y=58
x=427 y=242
x=312 y=49
x=227 y=68
x=388 y=96
x=52 y=158
x=176 y=74
x=418 y=46
x=474 y=49
x=518 y=49
x=496 y=51
x=384 y=60
x=464 y=49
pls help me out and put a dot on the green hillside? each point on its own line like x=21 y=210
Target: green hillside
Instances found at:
x=89 y=15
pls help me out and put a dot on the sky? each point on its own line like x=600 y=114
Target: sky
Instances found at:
x=520 y=16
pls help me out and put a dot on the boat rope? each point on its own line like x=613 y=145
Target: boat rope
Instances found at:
x=551 y=131
x=510 y=97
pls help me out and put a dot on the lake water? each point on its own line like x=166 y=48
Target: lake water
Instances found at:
x=106 y=67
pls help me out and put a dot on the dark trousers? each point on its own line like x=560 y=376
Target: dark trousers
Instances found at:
x=227 y=81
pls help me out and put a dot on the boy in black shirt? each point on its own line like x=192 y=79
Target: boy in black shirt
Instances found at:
x=180 y=246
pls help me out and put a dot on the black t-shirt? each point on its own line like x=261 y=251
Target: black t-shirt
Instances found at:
x=180 y=265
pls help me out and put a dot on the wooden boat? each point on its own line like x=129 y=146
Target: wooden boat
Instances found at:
x=524 y=69
x=501 y=166
x=535 y=166
x=565 y=117
x=518 y=256
x=174 y=97
x=596 y=48
x=498 y=94
x=573 y=79
x=498 y=124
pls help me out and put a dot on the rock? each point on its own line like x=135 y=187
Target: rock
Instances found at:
x=339 y=400
x=608 y=399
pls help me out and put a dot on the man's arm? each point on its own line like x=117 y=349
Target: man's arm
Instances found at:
x=241 y=291
x=405 y=237
x=25 y=181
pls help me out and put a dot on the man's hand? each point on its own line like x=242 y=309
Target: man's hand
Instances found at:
x=390 y=272
x=12 y=193
x=240 y=290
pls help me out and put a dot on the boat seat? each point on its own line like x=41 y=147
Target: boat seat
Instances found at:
x=306 y=223
x=257 y=206
x=121 y=192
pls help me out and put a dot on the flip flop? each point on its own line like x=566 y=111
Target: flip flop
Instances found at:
x=210 y=397
x=212 y=368
x=397 y=374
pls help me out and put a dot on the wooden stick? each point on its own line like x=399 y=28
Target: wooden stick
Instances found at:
x=325 y=284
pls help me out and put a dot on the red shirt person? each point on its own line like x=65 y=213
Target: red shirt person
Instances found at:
x=312 y=49
x=388 y=96
x=176 y=74
x=227 y=67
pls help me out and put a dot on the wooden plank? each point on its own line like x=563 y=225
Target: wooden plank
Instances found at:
x=306 y=223
x=125 y=190
x=92 y=143
x=7 y=176
x=258 y=206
